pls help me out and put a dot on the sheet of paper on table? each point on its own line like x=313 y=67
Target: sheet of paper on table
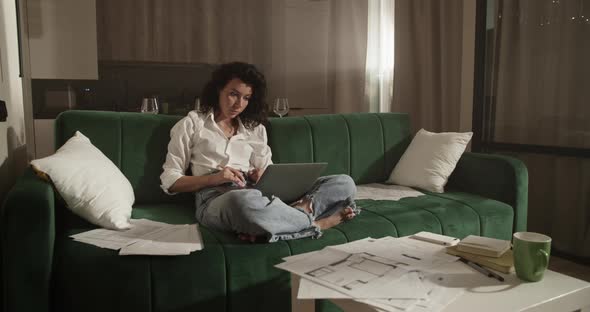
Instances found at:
x=421 y=293
x=418 y=255
x=359 y=275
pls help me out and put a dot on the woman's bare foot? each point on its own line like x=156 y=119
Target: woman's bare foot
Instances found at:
x=335 y=219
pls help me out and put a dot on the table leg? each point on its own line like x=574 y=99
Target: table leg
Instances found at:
x=299 y=305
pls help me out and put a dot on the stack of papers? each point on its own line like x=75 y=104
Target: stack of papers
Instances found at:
x=391 y=274
x=504 y=263
x=485 y=246
x=146 y=237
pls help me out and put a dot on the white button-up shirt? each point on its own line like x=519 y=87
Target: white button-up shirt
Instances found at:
x=198 y=142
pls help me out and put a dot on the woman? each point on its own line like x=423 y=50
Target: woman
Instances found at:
x=224 y=143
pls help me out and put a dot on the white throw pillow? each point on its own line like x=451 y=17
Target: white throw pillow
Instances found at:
x=429 y=160
x=91 y=185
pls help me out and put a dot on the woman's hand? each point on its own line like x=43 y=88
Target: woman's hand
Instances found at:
x=255 y=174
x=229 y=174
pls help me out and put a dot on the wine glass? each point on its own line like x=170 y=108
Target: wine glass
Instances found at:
x=197 y=103
x=281 y=107
x=149 y=105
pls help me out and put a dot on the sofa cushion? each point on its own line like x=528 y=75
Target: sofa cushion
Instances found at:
x=249 y=268
x=91 y=185
x=366 y=148
x=429 y=160
x=251 y=274
x=329 y=237
x=454 y=214
x=495 y=217
x=166 y=212
x=182 y=283
x=367 y=224
x=144 y=144
x=195 y=282
x=102 y=128
x=290 y=140
x=87 y=278
x=332 y=149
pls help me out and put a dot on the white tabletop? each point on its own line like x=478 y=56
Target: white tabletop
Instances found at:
x=555 y=292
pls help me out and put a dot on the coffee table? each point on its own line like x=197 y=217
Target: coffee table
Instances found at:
x=556 y=292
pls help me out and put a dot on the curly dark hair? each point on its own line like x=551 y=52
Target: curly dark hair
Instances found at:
x=257 y=110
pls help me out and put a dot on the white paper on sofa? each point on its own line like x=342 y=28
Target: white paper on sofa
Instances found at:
x=172 y=240
x=379 y=191
x=146 y=237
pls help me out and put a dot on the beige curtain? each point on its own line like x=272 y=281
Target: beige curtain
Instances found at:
x=185 y=31
x=347 y=56
x=540 y=91
x=312 y=52
x=223 y=30
x=427 y=73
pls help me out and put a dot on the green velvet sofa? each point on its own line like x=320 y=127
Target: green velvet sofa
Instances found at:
x=44 y=270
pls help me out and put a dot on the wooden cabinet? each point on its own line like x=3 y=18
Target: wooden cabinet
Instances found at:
x=62 y=39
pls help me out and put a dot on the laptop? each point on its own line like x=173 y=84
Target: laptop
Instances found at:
x=290 y=181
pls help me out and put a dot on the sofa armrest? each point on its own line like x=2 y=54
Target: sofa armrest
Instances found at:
x=27 y=233
x=497 y=177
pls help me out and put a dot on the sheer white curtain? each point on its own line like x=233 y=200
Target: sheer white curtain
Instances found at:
x=380 y=55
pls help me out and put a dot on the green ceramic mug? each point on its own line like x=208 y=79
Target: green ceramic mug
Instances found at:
x=531 y=255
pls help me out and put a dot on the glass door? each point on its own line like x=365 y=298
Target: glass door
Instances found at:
x=533 y=102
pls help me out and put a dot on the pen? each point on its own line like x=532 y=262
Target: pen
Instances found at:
x=482 y=270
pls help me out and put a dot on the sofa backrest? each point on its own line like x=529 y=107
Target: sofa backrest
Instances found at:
x=363 y=145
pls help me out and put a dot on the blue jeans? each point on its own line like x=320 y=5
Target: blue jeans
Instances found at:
x=248 y=211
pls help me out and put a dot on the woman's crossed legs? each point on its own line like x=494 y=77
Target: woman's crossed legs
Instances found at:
x=248 y=212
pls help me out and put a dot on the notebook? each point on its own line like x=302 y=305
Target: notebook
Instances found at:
x=484 y=246
x=504 y=263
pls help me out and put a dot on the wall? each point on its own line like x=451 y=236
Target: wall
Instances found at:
x=13 y=157
x=467 y=67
